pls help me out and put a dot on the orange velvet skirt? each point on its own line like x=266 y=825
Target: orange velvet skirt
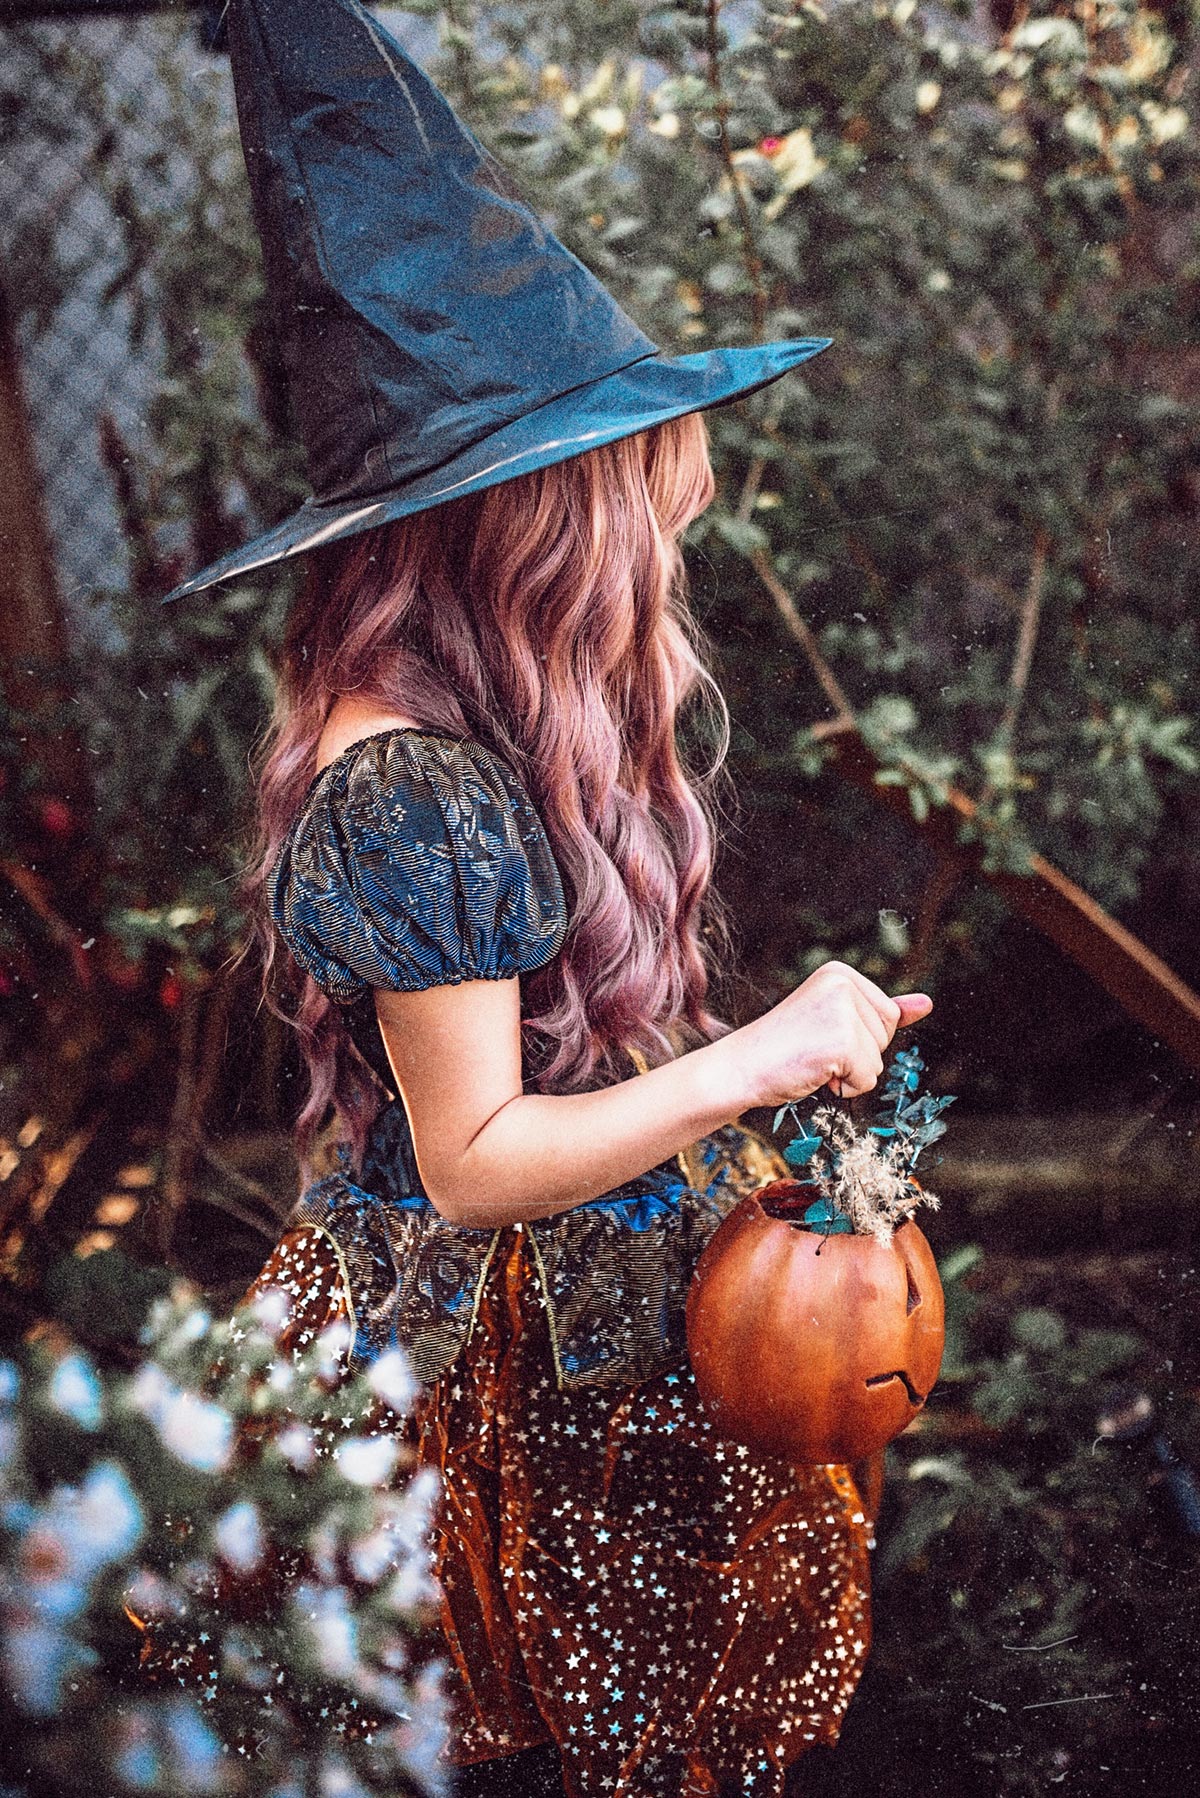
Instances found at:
x=677 y=1615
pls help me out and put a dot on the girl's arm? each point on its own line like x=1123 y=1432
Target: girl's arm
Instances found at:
x=490 y=1154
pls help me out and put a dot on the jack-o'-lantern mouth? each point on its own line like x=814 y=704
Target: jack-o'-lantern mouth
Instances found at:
x=881 y=1379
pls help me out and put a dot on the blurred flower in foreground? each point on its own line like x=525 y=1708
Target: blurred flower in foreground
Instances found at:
x=270 y=1546
x=75 y=1390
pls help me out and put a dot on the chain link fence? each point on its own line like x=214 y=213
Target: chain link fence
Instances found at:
x=84 y=106
x=78 y=100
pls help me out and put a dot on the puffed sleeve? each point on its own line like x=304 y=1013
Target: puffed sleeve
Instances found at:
x=416 y=860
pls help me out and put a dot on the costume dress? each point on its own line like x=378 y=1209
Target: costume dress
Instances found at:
x=676 y=1614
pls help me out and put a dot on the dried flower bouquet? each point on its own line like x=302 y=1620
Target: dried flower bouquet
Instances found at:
x=864 y=1178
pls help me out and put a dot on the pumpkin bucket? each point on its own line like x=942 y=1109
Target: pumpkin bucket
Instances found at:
x=816 y=1347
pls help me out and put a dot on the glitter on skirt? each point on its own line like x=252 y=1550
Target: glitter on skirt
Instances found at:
x=678 y=1616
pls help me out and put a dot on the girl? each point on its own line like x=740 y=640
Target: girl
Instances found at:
x=489 y=865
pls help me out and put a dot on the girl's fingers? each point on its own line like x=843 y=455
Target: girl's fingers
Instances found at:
x=877 y=999
x=855 y=1088
x=879 y=1018
x=897 y=1012
x=877 y=1028
x=860 y=1070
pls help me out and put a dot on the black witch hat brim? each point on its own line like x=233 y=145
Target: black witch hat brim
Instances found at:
x=648 y=392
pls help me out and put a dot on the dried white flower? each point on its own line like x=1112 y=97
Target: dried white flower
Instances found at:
x=870 y=1183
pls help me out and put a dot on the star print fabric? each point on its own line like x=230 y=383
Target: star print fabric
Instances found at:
x=677 y=1615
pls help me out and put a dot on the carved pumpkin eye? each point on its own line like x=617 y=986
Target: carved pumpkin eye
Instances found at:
x=914 y=1297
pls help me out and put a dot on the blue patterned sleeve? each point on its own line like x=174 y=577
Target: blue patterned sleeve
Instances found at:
x=416 y=860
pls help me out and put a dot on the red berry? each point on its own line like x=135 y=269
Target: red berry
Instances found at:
x=170 y=993
x=770 y=146
x=58 y=820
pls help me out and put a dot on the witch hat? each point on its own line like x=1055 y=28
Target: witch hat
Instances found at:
x=437 y=337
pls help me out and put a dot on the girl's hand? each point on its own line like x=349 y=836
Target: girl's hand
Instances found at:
x=832 y=1030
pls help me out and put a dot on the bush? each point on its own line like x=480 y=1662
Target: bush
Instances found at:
x=253 y=1511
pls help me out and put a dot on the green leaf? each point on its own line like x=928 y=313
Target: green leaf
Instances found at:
x=959 y=1262
x=826 y=1217
x=1039 y=1328
x=1098 y=1353
x=742 y=533
x=801 y=1149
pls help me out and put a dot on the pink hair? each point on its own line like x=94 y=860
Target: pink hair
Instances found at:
x=547 y=618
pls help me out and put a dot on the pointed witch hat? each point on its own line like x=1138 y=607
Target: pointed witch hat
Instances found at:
x=437 y=337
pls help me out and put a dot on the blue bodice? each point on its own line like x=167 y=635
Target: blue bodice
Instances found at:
x=418 y=860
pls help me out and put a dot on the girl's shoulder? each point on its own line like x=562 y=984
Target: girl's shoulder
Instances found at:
x=351 y=721
x=415 y=859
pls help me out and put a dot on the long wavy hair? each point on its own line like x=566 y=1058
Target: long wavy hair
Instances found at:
x=547 y=618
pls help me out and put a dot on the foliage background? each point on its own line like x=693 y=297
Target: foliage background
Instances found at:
x=981 y=501
x=981 y=498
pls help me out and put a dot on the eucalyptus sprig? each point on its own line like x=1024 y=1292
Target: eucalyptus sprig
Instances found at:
x=864 y=1179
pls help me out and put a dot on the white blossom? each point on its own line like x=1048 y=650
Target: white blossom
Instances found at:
x=298 y=1446
x=238 y=1534
x=198 y=1432
x=332 y=1346
x=75 y=1391
x=150 y=1391
x=271 y=1309
x=106 y=1514
x=367 y=1460
x=392 y=1379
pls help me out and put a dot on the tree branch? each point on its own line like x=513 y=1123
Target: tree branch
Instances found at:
x=858 y=549
x=804 y=635
x=1031 y=614
x=750 y=251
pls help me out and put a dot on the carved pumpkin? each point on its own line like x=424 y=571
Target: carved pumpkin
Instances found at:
x=819 y=1348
